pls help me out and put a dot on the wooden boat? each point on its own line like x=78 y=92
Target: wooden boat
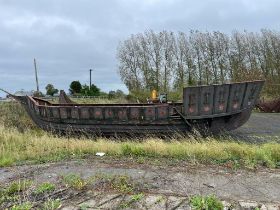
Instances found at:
x=210 y=109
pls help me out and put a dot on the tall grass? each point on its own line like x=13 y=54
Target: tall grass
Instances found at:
x=41 y=147
x=13 y=115
x=21 y=141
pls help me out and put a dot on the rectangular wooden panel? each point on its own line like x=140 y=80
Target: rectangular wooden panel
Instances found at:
x=36 y=109
x=97 y=113
x=55 y=112
x=134 y=113
x=206 y=100
x=43 y=112
x=109 y=113
x=252 y=93
x=150 y=113
x=75 y=113
x=162 y=112
x=32 y=106
x=63 y=113
x=84 y=113
x=49 y=112
x=221 y=98
x=191 y=101
x=29 y=103
x=122 y=114
x=236 y=96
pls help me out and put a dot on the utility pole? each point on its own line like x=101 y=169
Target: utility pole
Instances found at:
x=90 y=78
x=36 y=75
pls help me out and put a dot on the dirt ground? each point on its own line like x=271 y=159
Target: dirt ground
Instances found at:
x=177 y=182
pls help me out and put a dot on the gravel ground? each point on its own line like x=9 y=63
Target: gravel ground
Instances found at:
x=261 y=127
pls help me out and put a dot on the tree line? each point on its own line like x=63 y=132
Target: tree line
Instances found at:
x=77 y=89
x=168 y=61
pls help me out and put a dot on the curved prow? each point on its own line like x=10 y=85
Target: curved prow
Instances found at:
x=21 y=99
x=64 y=99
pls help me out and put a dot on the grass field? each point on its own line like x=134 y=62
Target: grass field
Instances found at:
x=21 y=142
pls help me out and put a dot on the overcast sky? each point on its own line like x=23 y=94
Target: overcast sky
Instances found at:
x=69 y=37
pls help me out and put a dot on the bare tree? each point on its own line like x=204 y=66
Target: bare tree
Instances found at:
x=168 y=62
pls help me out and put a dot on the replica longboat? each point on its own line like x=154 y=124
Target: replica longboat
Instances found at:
x=210 y=109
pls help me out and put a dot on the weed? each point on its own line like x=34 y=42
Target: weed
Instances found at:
x=12 y=193
x=17 y=186
x=75 y=181
x=206 y=203
x=141 y=160
x=160 y=199
x=84 y=207
x=134 y=198
x=51 y=204
x=6 y=161
x=44 y=187
x=122 y=184
x=137 y=197
x=7 y=198
x=23 y=206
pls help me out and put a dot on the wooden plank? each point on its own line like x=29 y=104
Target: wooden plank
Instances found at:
x=75 y=113
x=252 y=93
x=191 y=101
x=221 y=98
x=63 y=113
x=85 y=114
x=162 y=112
x=206 y=100
x=236 y=96
x=150 y=113
x=97 y=113
x=122 y=114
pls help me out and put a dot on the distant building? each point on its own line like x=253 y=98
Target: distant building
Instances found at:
x=24 y=93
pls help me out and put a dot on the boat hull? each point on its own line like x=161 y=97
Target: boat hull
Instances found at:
x=168 y=127
x=208 y=109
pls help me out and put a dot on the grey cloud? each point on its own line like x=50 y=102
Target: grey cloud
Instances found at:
x=68 y=37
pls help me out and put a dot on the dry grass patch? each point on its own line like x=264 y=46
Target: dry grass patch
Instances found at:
x=16 y=146
x=21 y=140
